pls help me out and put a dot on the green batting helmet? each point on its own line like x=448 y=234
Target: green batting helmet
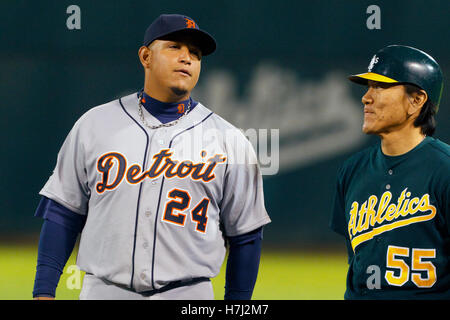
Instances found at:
x=405 y=65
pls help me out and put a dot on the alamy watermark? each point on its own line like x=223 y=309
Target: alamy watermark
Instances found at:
x=73 y=21
x=240 y=147
x=374 y=280
x=374 y=20
x=73 y=281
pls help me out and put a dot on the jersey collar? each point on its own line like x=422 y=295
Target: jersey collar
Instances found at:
x=166 y=112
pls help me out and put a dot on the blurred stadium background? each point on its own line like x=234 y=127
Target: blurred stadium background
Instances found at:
x=279 y=65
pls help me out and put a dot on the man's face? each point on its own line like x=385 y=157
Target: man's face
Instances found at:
x=385 y=108
x=175 y=65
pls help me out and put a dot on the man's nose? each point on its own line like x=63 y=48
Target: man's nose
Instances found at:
x=185 y=55
x=367 y=97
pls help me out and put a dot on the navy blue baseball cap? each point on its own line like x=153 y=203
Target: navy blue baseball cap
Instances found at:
x=172 y=24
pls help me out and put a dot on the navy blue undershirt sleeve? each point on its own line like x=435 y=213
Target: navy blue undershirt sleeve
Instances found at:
x=53 y=211
x=242 y=265
x=57 y=239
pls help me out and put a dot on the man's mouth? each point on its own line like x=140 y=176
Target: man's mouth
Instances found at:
x=184 y=72
x=367 y=110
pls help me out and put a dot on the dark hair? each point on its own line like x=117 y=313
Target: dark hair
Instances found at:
x=425 y=120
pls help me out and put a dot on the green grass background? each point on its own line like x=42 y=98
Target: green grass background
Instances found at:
x=292 y=275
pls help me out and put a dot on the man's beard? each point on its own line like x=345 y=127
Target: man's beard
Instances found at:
x=179 y=92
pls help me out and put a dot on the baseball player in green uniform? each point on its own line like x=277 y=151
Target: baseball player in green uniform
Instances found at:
x=392 y=201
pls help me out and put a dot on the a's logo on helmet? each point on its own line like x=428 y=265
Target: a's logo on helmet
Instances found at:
x=372 y=63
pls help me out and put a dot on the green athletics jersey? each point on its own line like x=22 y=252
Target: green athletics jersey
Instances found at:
x=394 y=213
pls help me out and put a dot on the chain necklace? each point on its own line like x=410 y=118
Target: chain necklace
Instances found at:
x=168 y=124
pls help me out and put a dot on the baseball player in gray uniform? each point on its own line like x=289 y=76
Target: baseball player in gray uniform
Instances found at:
x=157 y=185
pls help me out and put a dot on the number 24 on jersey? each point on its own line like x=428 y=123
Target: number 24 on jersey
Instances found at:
x=180 y=202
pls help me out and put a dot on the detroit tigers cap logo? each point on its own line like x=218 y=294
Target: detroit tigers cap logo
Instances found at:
x=372 y=63
x=190 y=23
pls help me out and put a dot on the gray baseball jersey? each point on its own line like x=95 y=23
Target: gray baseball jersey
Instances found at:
x=158 y=201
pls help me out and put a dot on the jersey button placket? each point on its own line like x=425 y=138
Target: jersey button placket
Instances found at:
x=390 y=172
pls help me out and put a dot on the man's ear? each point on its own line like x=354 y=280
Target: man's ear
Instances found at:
x=417 y=99
x=145 y=55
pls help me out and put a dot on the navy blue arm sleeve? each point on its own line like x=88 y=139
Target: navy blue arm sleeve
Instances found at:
x=58 y=236
x=242 y=265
